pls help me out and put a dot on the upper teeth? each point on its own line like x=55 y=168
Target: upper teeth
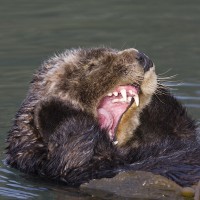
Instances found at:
x=125 y=98
x=129 y=99
x=131 y=92
x=137 y=101
x=115 y=93
x=123 y=92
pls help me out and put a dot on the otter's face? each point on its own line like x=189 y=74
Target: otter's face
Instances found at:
x=114 y=86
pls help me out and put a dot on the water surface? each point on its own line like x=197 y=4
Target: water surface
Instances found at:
x=32 y=31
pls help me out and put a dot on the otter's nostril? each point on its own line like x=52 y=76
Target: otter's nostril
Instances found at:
x=144 y=61
x=141 y=59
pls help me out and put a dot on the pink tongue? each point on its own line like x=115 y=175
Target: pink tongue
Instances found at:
x=109 y=112
x=105 y=118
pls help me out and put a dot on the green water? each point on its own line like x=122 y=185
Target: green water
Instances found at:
x=32 y=31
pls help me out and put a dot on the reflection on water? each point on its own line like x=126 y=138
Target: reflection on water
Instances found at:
x=11 y=187
x=31 y=31
x=188 y=94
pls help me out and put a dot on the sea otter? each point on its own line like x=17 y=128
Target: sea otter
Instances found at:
x=92 y=113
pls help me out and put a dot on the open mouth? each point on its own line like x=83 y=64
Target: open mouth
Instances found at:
x=115 y=104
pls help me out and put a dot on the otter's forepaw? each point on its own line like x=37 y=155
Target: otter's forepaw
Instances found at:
x=49 y=114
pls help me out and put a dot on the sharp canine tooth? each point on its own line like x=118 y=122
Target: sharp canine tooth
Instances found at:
x=109 y=94
x=137 y=101
x=115 y=93
x=115 y=142
x=123 y=92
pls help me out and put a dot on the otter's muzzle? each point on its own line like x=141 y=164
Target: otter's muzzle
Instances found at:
x=144 y=61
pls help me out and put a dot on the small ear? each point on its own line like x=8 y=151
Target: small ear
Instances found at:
x=48 y=114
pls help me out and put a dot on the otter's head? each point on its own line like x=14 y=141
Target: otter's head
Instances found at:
x=113 y=85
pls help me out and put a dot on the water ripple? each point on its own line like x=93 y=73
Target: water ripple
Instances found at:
x=8 y=192
x=9 y=187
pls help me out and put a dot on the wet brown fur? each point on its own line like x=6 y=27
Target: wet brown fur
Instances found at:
x=83 y=78
x=57 y=121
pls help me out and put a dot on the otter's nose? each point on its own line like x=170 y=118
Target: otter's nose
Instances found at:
x=144 y=61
